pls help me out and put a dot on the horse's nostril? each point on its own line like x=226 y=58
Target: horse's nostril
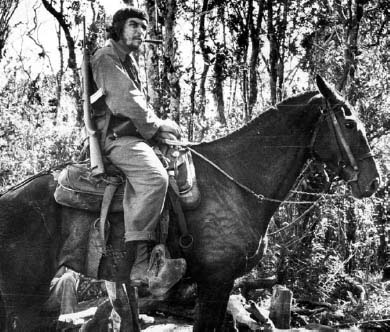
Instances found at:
x=374 y=185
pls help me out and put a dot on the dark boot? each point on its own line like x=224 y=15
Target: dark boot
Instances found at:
x=116 y=263
x=138 y=275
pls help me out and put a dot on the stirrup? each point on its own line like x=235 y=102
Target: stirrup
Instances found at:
x=164 y=272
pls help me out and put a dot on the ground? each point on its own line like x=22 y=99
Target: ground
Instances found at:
x=364 y=305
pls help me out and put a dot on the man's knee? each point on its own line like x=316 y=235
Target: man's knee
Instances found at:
x=157 y=177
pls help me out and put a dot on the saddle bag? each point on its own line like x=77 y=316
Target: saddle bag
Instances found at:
x=186 y=181
x=181 y=170
x=77 y=188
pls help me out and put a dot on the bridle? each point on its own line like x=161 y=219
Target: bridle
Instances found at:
x=350 y=167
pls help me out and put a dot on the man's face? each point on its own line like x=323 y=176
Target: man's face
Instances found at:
x=134 y=32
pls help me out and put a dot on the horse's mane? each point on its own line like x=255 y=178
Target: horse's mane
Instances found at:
x=38 y=175
x=293 y=101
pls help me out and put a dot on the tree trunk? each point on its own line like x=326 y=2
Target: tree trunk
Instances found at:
x=60 y=72
x=282 y=25
x=244 y=56
x=254 y=57
x=351 y=20
x=193 y=81
x=206 y=58
x=153 y=61
x=273 y=52
x=72 y=63
x=218 y=85
x=171 y=64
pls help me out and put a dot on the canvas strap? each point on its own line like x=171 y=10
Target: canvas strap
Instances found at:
x=97 y=233
x=108 y=195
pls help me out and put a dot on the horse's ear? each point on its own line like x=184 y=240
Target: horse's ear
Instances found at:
x=325 y=88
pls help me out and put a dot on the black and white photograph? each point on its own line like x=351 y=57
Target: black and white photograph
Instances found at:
x=194 y=165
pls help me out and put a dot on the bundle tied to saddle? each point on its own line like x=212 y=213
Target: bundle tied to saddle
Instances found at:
x=79 y=189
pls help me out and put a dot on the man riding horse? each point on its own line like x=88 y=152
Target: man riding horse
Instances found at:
x=128 y=125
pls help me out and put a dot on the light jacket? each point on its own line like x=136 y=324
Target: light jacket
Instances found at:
x=121 y=95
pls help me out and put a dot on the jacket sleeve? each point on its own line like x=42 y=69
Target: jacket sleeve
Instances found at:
x=122 y=96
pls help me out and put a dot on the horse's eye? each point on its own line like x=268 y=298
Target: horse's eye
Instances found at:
x=350 y=124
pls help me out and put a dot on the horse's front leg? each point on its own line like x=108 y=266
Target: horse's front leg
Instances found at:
x=211 y=307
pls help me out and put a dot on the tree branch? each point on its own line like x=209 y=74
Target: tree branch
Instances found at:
x=65 y=27
x=7 y=9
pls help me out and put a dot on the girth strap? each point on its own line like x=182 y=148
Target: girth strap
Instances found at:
x=186 y=240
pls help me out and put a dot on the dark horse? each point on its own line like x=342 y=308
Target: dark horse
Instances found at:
x=230 y=225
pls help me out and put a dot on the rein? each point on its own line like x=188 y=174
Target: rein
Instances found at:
x=260 y=197
x=344 y=148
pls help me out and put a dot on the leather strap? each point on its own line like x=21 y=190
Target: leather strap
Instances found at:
x=109 y=192
x=105 y=129
x=186 y=240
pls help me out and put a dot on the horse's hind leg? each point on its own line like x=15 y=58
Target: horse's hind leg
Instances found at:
x=3 y=314
x=124 y=301
x=211 y=307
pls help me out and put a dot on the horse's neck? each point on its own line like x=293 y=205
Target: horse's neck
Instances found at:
x=266 y=156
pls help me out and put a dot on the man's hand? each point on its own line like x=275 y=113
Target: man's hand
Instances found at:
x=169 y=126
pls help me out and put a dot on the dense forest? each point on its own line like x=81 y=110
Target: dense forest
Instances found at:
x=213 y=66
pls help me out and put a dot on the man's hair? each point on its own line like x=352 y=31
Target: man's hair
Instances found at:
x=115 y=30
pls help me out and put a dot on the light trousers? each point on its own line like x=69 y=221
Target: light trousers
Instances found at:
x=63 y=293
x=145 y=188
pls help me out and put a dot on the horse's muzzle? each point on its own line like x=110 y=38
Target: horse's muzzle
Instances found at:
x=373 y=187
x=370 y=188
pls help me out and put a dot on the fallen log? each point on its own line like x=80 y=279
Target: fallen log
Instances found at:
x=247 y=284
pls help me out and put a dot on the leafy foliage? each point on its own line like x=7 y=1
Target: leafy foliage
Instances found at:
x=33 y=136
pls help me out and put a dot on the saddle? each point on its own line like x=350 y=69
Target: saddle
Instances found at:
x=79 y=189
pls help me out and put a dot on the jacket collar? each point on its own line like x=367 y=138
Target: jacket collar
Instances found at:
x=121 y=50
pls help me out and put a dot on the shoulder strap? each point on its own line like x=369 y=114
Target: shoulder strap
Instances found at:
x=105 y=128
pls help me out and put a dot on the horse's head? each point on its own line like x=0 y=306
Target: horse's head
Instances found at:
x=340 y=141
